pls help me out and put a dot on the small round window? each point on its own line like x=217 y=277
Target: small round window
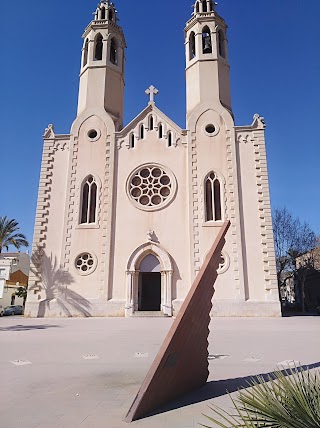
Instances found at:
x=93 y=134
x=224 y=263
x=151 y=187
x=211 y=130
x=85 y=263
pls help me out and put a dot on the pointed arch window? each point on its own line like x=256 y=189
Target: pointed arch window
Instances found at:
x=213 y=204
x=98 y=48
x=114 y=51
x=110 y=15
x=192 y=45
x=141 y=132
x=132 y=140
x=151 y=123
x=221 y=44
x=89 y=193
x=103 y=13
x=160 y=131
x=206 y=40
x=197 y=7
x=85 y=52
x=169 y=139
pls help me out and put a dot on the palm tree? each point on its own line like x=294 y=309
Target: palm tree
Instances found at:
x=9 y=234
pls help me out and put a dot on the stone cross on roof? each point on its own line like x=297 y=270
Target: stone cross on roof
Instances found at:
x=152 y=91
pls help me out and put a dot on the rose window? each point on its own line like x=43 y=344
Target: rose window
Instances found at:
x=85 y=263
x=151 y=187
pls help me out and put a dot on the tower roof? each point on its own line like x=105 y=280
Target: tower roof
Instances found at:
x=106 y=11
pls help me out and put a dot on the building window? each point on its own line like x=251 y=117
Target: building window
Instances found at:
x=206 y=41
x=85 y=53
x=114 y=51
x=89 y=201
x=103 y=13
x=85 y=263
x=192 y=46
x=151 y=123
x=160 y=131
x=132 y=140
x=197 y=7
x=110 y=15
x=221 y=44
x=213 y=205
x=98 y=48
x=169 y=139
x=141 y=133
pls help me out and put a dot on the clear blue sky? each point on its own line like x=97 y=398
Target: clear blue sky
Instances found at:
x=275 y=71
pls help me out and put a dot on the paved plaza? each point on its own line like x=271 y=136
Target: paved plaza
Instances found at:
x=84 y=373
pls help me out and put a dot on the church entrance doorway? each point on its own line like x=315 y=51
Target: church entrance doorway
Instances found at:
x=149 y=282
x=149 y=291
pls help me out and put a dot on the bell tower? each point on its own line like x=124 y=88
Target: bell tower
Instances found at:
x=102 y=64
x=207 y=67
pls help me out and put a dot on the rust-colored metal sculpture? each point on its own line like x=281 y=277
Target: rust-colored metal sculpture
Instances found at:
x=182 y=362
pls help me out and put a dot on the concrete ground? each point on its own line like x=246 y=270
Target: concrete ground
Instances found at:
x=84 y=373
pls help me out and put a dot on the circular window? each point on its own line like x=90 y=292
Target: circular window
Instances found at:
x=93 y=134
x=85 y=263
x=211 y=130
x=151 y=187
x=224 y=263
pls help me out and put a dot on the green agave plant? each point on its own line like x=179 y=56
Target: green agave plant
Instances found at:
x=285 y=399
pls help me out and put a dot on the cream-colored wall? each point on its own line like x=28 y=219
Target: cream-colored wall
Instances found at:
x=169 y=224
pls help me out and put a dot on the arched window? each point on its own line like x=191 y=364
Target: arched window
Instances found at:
x=197 y=7
x=89 y=201
x=206 y=41
x=204 y=6
x=213 y=206
x=103 y=13
x=114 y=51
x=110 y=14
x=211 y=5
x=132 y=140
x=169 y=139
x=151 y=123
x=160 y=131
x=192 y=45
x=98 y=48
x=85 y=53
x=221 y=44
x=141 y=133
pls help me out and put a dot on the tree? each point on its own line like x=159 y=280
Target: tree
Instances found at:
x=9 y=234
x=22 y=292
x=294 y=245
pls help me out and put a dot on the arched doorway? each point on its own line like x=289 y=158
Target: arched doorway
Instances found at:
x=149 y=289
x=149 y=281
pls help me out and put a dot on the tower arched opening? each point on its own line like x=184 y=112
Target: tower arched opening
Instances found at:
x=98 y=47
x=114 y=51
x=85 y=52
x=213 y=203
x=221 y=44
x=206 y=40
x=192 y=45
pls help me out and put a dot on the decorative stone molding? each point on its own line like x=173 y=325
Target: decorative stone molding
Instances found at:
x=195 y=195
x=43 y=206
x=265 y=216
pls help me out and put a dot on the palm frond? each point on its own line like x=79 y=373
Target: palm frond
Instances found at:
x=285 y=399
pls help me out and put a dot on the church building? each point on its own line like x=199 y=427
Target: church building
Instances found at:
x=127 y=214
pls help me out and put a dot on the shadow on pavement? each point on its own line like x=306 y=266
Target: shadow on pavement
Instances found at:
x=28 y=327
x=219 y=388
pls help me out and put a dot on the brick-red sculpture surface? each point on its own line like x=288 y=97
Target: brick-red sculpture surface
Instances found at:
x=182 y=362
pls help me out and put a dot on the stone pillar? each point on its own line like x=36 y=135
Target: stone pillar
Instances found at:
x=167 y=288
x=129 y=308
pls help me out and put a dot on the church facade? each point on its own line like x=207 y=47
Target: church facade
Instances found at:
x=126 y=214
